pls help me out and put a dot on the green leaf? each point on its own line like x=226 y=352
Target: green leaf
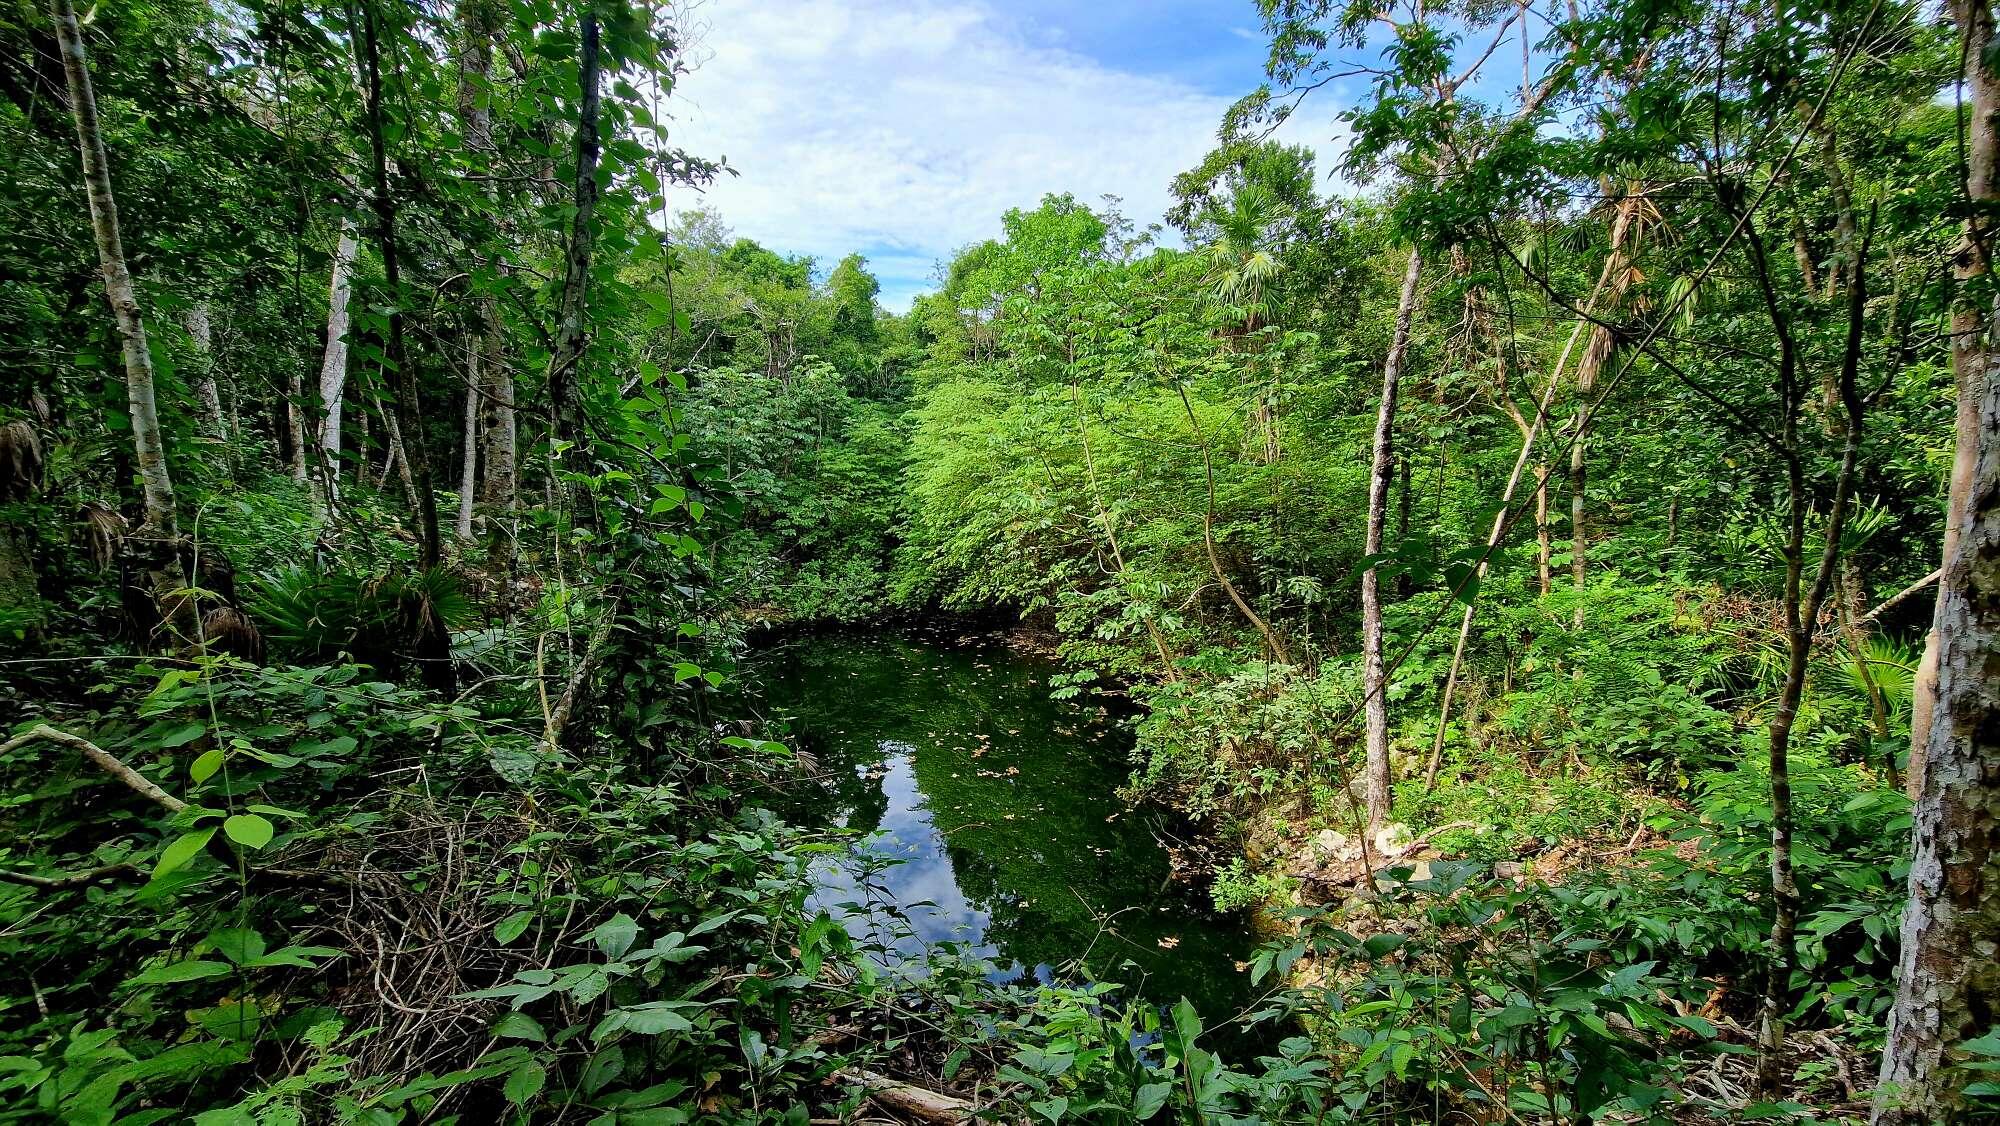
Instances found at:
x=251 y=830
x=193 y=969
x=508 y=929
x=655 y=1018
x=231 y=1020
x=238 y=944
x=205 y=765
x=182 y=850
x=1150 y=1099
x=604 y=1067
x=616 y=935
x=182 y=736
x=524 y=1083
x=519 y=1026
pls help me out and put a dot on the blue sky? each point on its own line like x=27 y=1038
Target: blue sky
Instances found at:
x=904 y=129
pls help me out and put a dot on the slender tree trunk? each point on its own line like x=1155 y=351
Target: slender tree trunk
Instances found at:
x=1544 y=546
x=1948 y=990
x=1272 y=641
x=572 y=332
x=1374 y=676
x=399 y=460
x=409 y=402
x=1167 y=668
x=469 y=463
x=158 y=538
x=333 y=361
x=496 y=393
x=208 y=401
x=1802 y=607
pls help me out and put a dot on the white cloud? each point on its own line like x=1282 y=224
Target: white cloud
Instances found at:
x=903 y=130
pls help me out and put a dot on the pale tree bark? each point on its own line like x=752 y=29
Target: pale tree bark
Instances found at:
x=1948 y=989
x=469 y=463
x=159 y=536
x=1374 y=676
x=495 y=389
x=201 y=378
x=1970 y=347
x=333 y=361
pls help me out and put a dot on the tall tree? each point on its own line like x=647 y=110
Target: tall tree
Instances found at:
x=572 y=331
x=1374 y=675
x=158 y=537
x=333 y=360
x=1948 y=990
x=406 y=426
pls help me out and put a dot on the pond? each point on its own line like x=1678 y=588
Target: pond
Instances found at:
x=989 y=816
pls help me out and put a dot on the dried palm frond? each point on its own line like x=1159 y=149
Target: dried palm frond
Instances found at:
x=20 y=461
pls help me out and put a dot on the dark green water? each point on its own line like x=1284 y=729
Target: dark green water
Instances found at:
x=991 y=819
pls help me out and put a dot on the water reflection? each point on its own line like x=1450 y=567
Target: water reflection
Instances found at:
x=990 y=819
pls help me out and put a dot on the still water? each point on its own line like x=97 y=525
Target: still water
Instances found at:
x=989 y=817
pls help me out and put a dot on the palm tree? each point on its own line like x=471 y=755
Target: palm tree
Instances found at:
x=1241 y=265
x=1241 y=268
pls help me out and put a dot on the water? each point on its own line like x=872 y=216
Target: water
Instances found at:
x=998 y=809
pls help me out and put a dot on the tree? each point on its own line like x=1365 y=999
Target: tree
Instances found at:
x=1948 y=989
x=1382 y=467
x=158 y=537
x=405 y=429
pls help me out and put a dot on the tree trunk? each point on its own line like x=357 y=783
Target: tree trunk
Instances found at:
x=1544 y=547
x=157 y=539
x=201 y=379
x=1374 y=677
x=1949 y=986
x=409 y=403
x=495 y=390
x=1618 y=279
x=469 y=463
x=572 y=336
x=333 y=362
x=1802 y=607
x=1971 y=349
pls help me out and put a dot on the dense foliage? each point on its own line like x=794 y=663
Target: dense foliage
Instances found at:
x=1520 y=561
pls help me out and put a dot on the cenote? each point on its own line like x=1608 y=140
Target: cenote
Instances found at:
x=988 y=817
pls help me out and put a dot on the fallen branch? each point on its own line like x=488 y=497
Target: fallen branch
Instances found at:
x=70 y=879
x=918 y=1103
x=1898 y=598
x=103 y=758
x=1426 y=838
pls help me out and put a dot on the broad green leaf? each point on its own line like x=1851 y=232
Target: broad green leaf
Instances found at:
x=193 y=969
x=524 y=1083
x=205 y=764
x=616 y=935
x=182 y=850
x=516 y=1025
x=510 y=928
x=251 y=830
x=238 y=944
